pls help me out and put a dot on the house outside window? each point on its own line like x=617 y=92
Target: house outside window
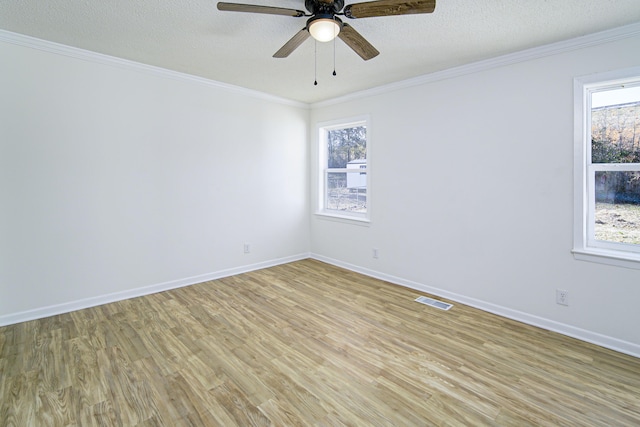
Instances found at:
x=344 y=169
x=607 y=168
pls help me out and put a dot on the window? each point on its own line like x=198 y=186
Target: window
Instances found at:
x=344 y=179
x=607 y=168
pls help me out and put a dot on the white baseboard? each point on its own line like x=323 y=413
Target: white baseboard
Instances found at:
x=551 y=325
x=39 y=313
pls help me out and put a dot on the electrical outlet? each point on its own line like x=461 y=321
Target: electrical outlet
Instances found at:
x=247 y=248
x=562 y=297
x=375 y=253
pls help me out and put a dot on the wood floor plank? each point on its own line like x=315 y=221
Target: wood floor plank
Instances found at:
x=19 y=399
x=291 y=387
x=238 y=407
x=56 y=408
x=304 y=344
x=281 y=413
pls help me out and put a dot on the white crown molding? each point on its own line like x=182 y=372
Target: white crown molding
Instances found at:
x=99 y=58
x=577 y=43
x=52 y=310
x=509 y=59
x=550 y=325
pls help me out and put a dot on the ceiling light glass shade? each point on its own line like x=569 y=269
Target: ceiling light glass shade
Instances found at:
x=324 y=29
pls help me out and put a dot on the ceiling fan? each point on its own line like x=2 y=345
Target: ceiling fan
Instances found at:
x=324 y=24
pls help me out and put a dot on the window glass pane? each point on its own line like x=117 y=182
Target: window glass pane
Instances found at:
x=346 y=145
x=615 y=126
x=617 y=207
x=342 y=196
x=347 y=150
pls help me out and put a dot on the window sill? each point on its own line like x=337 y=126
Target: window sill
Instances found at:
x=609 y=257
x=346 y=219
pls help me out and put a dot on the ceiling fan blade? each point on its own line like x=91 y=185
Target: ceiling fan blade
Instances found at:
x=389 y=8
x=359 y=44
x=237 y=7
x=292 y=44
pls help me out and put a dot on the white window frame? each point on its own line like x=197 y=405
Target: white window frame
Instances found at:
x=361 y=218
x=585 y=246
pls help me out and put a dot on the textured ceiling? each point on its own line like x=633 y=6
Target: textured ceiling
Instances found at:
x=193 y=37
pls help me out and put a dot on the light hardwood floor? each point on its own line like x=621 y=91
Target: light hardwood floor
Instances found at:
x=304 y=344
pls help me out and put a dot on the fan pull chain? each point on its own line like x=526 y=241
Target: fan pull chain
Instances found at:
x=335 y=36
x=315 y=63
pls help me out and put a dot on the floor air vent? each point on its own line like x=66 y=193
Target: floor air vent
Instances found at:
x=434 y=303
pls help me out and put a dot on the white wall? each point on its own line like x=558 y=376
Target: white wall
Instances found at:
x=116 y=180
x=472 y=195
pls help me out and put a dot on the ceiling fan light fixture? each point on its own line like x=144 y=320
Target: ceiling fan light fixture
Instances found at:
x=324 y=29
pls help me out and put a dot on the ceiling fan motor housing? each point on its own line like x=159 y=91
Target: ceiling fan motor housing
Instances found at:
x=319 y=7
